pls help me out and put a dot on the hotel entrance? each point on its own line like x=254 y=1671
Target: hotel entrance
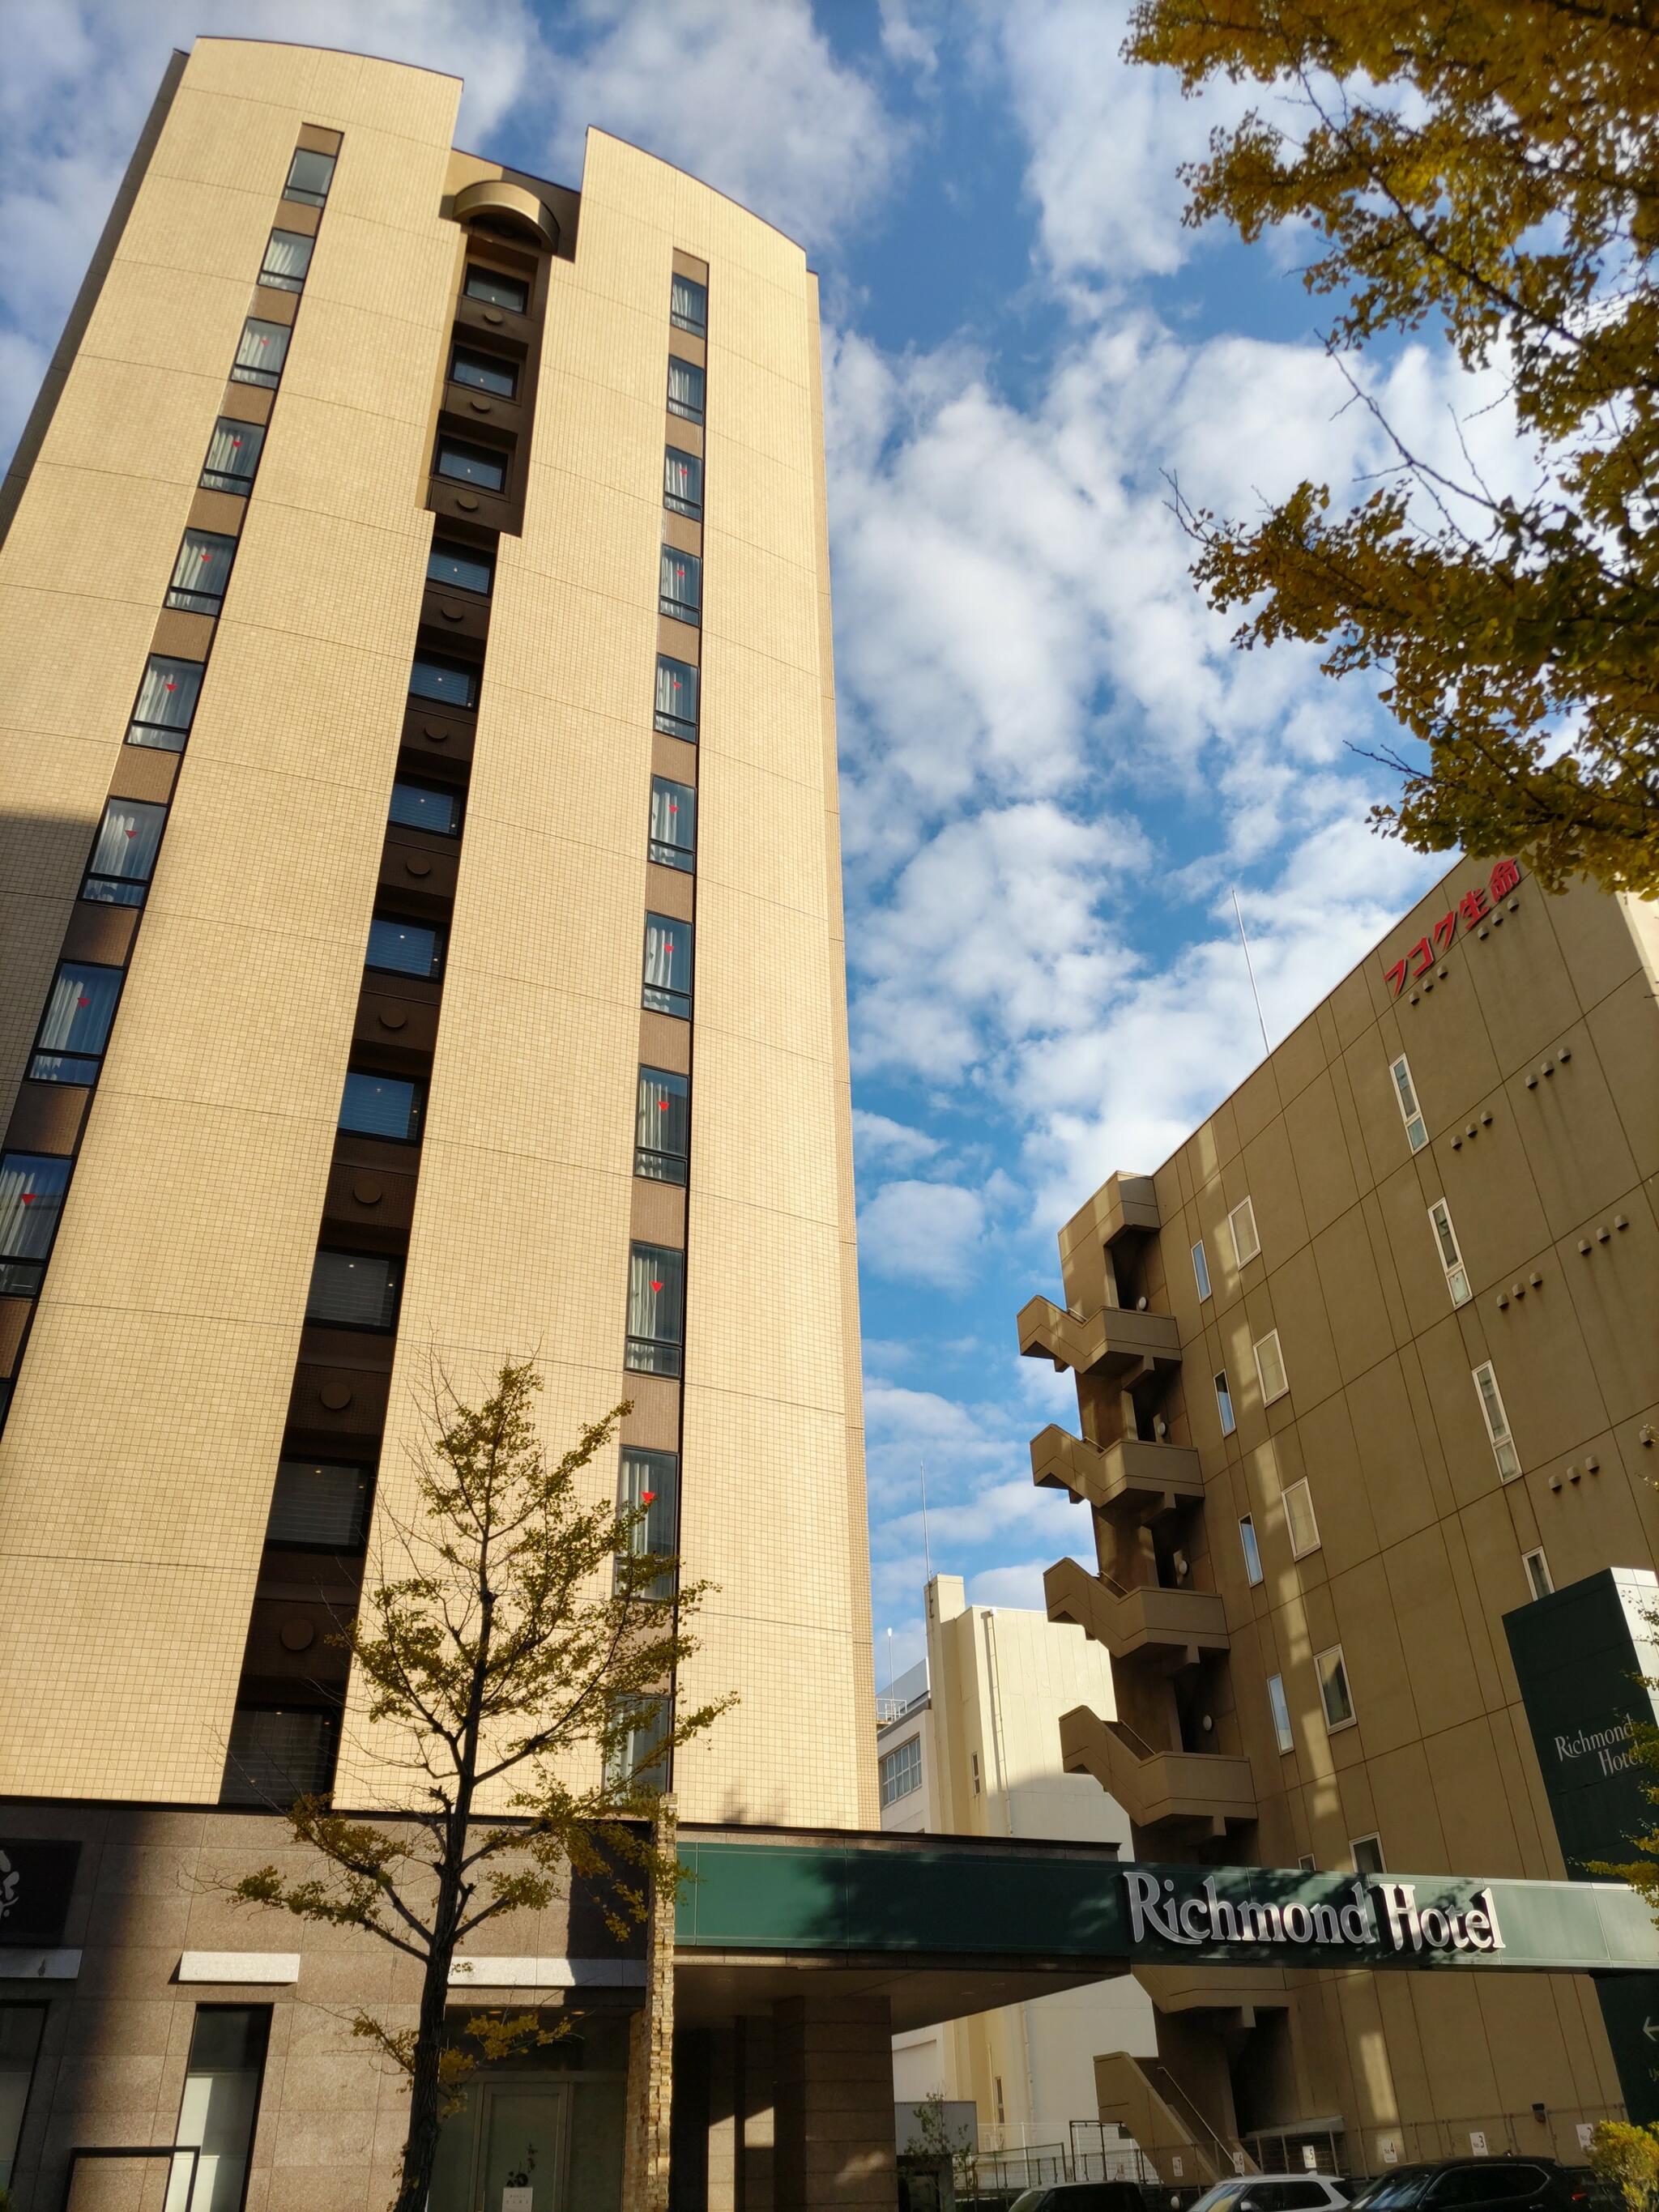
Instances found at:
x=543 y=2135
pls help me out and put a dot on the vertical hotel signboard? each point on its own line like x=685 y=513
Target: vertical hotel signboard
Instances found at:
x=1582 y=1657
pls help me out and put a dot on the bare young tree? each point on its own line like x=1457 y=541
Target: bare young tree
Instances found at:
x=517 y=1647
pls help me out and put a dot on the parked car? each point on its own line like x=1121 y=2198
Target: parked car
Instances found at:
x=1276 y=2192
x=1479 y=2184
x=1083 y=2196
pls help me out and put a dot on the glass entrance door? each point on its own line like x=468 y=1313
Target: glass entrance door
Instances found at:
x=519 y=2163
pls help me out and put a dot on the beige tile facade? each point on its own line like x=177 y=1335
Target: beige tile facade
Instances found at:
x=1532 y=1038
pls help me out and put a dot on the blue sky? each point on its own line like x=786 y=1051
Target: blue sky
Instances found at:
x=1055 y=769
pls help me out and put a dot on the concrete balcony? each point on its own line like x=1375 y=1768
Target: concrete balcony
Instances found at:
x=1116 y=1342
x=1195 y=1791
x=1143 y=1480
x=1241 y=1992
x=1169 y=1626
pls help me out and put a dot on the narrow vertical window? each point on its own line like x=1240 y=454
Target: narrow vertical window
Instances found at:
x=662 y=1125
x=166 y=705
x=1200 y=1270
x=1279 y=1706
x=123 y=852
x=651 y=1482
x=1250 y=1548
x=220 y=2106
x=1241 y=1223
x=679 y=589
x=1411 y=1113
x=677 y=698
x=1332 y=1670
x=635 y=1752
x=1299 y=1521
x=309 y=176
x=1498 y=1422
x=1445 y=1243
x=1224 y=1403
x=685 y=388
x=1270 y=1367
x=1538 y=1573
x=32 y=1186
x=260 y=353
x=688 y=305
x=200 y=572
x=233 y=455
x=1367 y=1852
x=75 y=1027
x=288 y=256
x=656 y=1310
x=673 y=824
x=682 y=482
x=667 y=985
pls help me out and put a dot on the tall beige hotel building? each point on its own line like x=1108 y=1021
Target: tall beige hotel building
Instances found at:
x=423 y=939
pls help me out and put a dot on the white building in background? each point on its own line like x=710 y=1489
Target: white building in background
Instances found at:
x=969 y=1744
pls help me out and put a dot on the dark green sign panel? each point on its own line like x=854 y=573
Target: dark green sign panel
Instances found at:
x=1580 y=1658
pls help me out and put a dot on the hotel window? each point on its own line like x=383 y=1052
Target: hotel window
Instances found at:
x=900 y=1769
x=319 y=1506
x=166 y=704
x=663 y=1127
x=354 y=1290
x=445 y=682
x=200 y=572
x=688 y=305
x=1332 y=1670
x=76 y=1026
x=679 y=586
x=1299 y=1520
x=650 y=1479
x=495 y=290
x=20 y=2026
x=1242 y=1223
x=484 y=372
x=636 y=1760
x=1538 y=1573
x=1224 y=1402
x=656 y=1310
x=1445 y=1242
x=388 y=1106
x=1306 y=1862
x=260 y=353
x=677 y=698
x=233 y=455
x=1498 y=1422
x=667 y=985
x=1283 y=1734
x=1200 y=1270
x=1410 y=1113
x=1250 y=1548
x=309 y=176
x=404 y=948
x=673 y=824
x=1366 y=1852
x=288 y=256
x=220 y=2105
x=1270 y=1367
x=685 y=388
x=32 y=1186
x=277 y=1753
x=124 y=853
x=462 y=462
x=682 y=482
x=433 y=806
x=460 y=569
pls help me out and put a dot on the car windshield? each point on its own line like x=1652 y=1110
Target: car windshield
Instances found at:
x=1393 y=2192
x=1223 y=2194
x=1028 y=2200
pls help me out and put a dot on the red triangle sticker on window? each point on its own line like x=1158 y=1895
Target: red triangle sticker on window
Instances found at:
x=647 y=1497
x=83 y=1002
x=656 y=1286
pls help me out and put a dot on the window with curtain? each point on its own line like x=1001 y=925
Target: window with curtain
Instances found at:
x=32 y=1186
x=679 y=588
x=635 y=1763
x=433 y=806
x=260 y=353
x=354 y=1290
x=288 y=256
x=404 y=948
x=484 y=372
x=495 y=290
x=20 y=2026
x=233 y=455
x=389 y=1106
x=667 y=988
x=459 y=569
x=166 y=705
x=219 y=2105
x=650 y=1479
x=685 y=388
x=462 y=462
x=656 y=1310
x=677 y=698
x=319 y=1506
x=663 y=1132
x=445 y=682
x=688 y=305
x=123 y=852
x=200 y=572
x=673 y=824
x=682 y=482
x=309 y=176
x=277 y=1754
x=75 y=1029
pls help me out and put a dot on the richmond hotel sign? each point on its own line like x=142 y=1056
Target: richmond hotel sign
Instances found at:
x=1367 y=1919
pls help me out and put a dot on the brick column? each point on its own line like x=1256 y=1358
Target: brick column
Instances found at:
x=833 y=2058
x=651 y=2058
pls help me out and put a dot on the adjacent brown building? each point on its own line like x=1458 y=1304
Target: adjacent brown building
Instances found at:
x=1369 y=1361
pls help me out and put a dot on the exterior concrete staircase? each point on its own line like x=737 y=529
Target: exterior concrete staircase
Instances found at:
x=1142 y=2095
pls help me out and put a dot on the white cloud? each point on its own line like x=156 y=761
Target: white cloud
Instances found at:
x=923 y=1232
x=879 y=1141
x=1019 y=1586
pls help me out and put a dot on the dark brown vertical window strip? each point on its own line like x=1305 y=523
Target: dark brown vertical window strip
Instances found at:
x=43 y=1137
x=285 y=1733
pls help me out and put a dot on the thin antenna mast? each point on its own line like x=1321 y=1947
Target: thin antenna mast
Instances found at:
x=926 y=1556
x=1249 y=968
